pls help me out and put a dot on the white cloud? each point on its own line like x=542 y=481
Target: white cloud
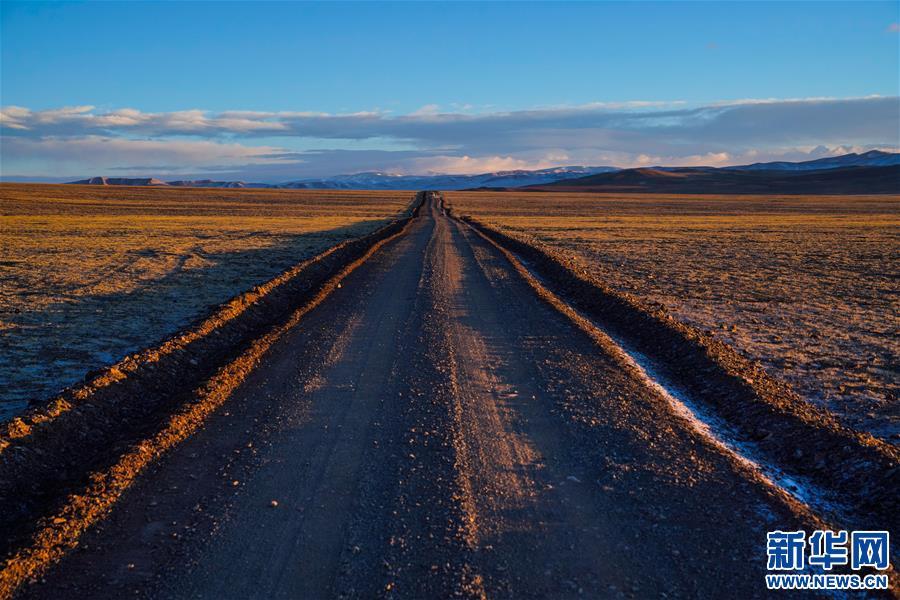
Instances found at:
x=602 y=133
x=749 y=121
x=471 y=165
x=427 y=110
x=93 y=154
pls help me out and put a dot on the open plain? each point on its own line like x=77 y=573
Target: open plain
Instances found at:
x=91 y=273
x=806 y=285
x=423 y=413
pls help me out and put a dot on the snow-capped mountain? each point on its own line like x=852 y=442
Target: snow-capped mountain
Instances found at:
x=386 y=181
x=873 y=158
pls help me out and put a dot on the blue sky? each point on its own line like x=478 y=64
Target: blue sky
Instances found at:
x=282 y=90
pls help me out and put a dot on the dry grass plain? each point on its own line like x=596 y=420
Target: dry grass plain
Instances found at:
x=89 y=274
x=809 y=286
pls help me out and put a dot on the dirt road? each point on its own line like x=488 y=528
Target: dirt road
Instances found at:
x=436 y=429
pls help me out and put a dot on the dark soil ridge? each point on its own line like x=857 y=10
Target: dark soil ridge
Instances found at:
x=861 y=470
x=58 y=448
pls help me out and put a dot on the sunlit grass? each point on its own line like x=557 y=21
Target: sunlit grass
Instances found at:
x=88 y=273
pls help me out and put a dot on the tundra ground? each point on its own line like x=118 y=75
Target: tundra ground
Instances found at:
x=90 y=273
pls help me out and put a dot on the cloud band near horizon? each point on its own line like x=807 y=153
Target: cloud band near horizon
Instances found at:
x=278 y=146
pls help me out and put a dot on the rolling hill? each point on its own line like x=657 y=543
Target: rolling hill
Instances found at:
x=706 y=180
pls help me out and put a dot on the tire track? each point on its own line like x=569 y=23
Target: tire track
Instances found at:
x=805 y=443
x=59 y=532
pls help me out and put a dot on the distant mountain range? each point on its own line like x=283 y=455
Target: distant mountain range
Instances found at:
x=844 y=180
x=687 y=179
x=873 y=158
x=379 y=181
x=384 y=181
x=144 y=181
x=209 y=183
x=153 y=182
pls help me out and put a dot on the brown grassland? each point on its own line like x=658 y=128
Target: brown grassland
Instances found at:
x=806 y=285
x=90 y=273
